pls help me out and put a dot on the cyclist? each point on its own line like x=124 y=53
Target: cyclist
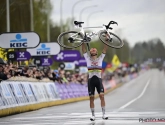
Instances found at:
x=94 y=65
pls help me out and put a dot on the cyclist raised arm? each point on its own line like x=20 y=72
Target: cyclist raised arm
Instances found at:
x=83 y=48
x=105 y=49
x=105 y=46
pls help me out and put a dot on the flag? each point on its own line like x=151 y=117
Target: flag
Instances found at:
x=115 y=64
x=26 y=63
x=115 y=61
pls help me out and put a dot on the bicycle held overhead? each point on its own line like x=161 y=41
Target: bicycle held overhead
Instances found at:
x=74 y=39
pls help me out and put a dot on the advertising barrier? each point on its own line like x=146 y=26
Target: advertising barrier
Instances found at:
x=23 y=56
x=46 y=61
x=67 y=56
x=17 y=93
x=69 y=66
x=37 y=94
x=19 y=40
x=45 y=49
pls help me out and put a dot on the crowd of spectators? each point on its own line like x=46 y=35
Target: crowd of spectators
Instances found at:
x=121 y=71
x=10 y=70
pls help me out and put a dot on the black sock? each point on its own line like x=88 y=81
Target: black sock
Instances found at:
x=103 y=110
x=93 y=111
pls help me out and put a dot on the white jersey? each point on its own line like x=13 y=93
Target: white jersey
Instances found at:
x=94 y=66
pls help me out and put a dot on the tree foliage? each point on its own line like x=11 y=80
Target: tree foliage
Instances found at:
x=152 y=49
x=20 y=21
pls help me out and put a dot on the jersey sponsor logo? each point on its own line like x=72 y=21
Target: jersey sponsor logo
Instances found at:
x=94 y=63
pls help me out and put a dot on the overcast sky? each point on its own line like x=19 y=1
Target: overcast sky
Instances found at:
x=139 y=20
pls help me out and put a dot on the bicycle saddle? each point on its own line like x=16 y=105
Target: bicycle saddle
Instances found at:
x=77 y=23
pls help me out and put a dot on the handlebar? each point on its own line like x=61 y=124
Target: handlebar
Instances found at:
x=77 y=23
x=108 y=26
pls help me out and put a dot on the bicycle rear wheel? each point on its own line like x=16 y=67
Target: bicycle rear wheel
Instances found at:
x=113 y=41
x=70 y=39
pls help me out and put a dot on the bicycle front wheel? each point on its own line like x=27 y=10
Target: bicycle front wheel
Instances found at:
x=113 y=41
x=70 y=39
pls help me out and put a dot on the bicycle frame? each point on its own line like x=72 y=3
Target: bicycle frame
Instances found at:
x=88 y=35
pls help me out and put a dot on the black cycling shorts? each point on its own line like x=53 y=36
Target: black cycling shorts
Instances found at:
x=95 y=82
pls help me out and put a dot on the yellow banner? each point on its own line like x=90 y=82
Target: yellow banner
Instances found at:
x=115 y=61
x=3 y=53
x=115 y=64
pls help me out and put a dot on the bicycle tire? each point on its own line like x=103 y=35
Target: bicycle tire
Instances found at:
x=62 y=35
x=108 y=44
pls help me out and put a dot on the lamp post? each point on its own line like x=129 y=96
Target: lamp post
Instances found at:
x=8 y=15
x=74 y=8
x=48 y=23
x=89 y=16
x=61 y=21
x=85 y=8
x=8 y=4
x=31 y=15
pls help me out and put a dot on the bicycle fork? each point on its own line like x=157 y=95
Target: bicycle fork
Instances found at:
x=108 y=37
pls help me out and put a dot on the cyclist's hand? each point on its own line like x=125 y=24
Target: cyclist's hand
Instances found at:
x=107 y=37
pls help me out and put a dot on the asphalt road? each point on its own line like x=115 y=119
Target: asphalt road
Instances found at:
x=140 y=99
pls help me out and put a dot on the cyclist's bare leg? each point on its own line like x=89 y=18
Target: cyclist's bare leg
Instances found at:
x=92 y=105
x=92 y=101
x=101 y=95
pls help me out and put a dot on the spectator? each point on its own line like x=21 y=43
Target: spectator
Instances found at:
x=62 y=76
x=56 y=76
x=73 y=79
x=43 y=74
x=34 y=70
x=38 y=74
x=17 y=71
x=68 y=76
x=3 y=76
x=26 y=72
